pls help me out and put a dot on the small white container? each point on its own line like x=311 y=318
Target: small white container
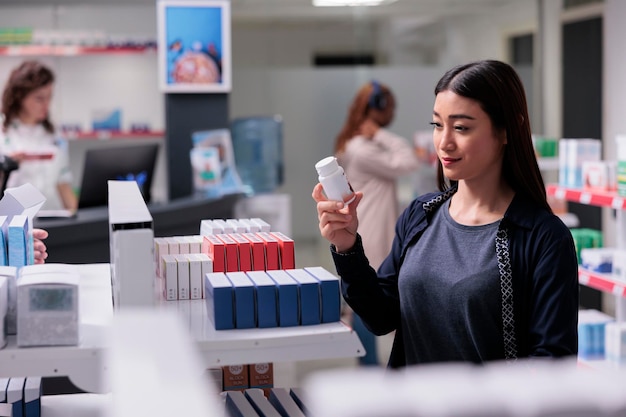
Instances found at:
x=334 y=181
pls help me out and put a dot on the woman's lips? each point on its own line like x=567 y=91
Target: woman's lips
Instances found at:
x=449 y=161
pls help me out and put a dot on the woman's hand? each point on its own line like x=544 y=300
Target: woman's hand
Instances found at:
x=338 y=223
x=41 y=252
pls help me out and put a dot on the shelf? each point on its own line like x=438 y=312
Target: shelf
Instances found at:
x=548 y=163
x=241 y=346
x=84 y=364
x=590 y=197
x=87 y=366
x=602 y=282
x=69 y=50
x=107 y=134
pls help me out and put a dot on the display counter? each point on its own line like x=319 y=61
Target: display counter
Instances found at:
x=85 y=237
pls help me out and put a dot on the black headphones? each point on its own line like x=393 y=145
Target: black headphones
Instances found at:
x=378 y=98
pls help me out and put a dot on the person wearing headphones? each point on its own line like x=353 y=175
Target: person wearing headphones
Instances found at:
x=27 y=136
x=373 y=159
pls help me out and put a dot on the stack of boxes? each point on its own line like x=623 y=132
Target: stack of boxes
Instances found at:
x=21 y=395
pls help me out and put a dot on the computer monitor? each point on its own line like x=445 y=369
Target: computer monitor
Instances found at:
x=134 y=162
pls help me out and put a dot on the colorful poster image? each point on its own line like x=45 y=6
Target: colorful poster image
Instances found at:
x=194 y=46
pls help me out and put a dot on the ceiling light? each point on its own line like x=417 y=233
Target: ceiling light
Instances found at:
x=350 y=3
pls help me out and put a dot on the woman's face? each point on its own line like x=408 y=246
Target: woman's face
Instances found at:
x=466 y=142
x=36 y=105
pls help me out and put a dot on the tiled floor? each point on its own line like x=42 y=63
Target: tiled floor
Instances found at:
x=292 y=374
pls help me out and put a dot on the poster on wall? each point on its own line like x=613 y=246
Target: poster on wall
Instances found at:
x=194 y=46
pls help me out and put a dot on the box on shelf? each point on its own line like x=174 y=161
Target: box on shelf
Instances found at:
x=599 y=175
x=621 y=164
x=597 y=259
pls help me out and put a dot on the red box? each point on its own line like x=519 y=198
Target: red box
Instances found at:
x=216 y=249
x=258 y=251
x=261 y=375
x=232 y=255
x=245 y=251
x=272 y=256
x=287 y=250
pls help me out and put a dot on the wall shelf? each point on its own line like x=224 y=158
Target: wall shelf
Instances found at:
x=601 y=282
x=70 y=50
x=596 y=198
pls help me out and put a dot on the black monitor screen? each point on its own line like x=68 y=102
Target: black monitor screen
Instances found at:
x=135 y=162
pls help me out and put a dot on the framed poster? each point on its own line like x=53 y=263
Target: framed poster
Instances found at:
x=194 y=46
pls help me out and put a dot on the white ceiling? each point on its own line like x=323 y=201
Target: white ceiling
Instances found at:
x=295 y=10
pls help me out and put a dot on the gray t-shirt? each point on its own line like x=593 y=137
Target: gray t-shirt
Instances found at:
x=450 y=294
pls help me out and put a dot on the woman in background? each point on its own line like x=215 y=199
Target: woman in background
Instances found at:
x=373 y=159
x=28 y=136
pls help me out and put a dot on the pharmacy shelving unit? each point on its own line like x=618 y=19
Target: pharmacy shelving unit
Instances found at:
x=602 y=282
x=86 y=364
x=70 y=50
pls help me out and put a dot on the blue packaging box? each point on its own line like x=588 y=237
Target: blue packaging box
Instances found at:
x=266 y=299
x=244 y=300
x=219 y=298
x=32 y=396
x=15 y=396
x=18 y=241
x=309 y=296
x=287 y=298
x=330 y=293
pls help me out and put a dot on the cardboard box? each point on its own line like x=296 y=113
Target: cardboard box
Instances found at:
x=173 y=246
x=287 y=298
x=265 y=226
x=195 y=276
x=219 y=298
x=235 y=377
x=207 y=267
x=216 y=249
x=287 y=250
x=245 y=317
x=15 y=395
x=236 y=225
x=272 y=251
x=282 y=401
x=183 y=276
x=161 y=248
x=231 y=250
x=244 y=249
x=265 y=292
x=225 y=227
x=308 y=296
x=257 y=246
x=18 y=237
x=237 y=405
x=330 y=293
x=258 y=398
x=299 y=396
x=261 y=375
x=183 y=244
x=195 y=243
x=207 y=227
x=169 y=269
x=32 y=396
x=251 y=227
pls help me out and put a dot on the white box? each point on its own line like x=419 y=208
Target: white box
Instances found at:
x=173 y=246
x=226 y=228
x=236 y=225
x=195 y=243
x=170 y=274
x=183 y=276
x=131 y=240
x=207 y=267
x=195 y=276
x=4 y=305
x=15 y=394
x=47 y=310
x=10 y=272
x=183 y=244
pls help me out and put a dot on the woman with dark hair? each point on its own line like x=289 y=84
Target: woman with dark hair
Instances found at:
x=28 y=136
x=373 y=159
x=481 y=270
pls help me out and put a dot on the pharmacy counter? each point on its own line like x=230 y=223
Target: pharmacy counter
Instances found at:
x=85 y=238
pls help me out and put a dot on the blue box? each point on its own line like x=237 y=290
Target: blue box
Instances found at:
x=309 y=296
x=287 y=298
x=219 y=298
x=32 y=396
x=330 y=293
x=18 y=241
x=15 y=395
x=266 y=299
x=244 y=300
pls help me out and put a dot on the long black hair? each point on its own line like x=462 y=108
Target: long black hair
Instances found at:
x=498 y=89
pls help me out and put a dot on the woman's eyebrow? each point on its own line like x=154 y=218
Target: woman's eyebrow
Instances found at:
x=456 y=116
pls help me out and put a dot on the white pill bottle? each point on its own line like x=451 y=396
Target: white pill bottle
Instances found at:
x=334 y=181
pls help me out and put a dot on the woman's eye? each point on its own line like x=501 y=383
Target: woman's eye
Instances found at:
x=460 y=128
x=435 y=124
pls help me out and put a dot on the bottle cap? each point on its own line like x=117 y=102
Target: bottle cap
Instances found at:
x=327 y=166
